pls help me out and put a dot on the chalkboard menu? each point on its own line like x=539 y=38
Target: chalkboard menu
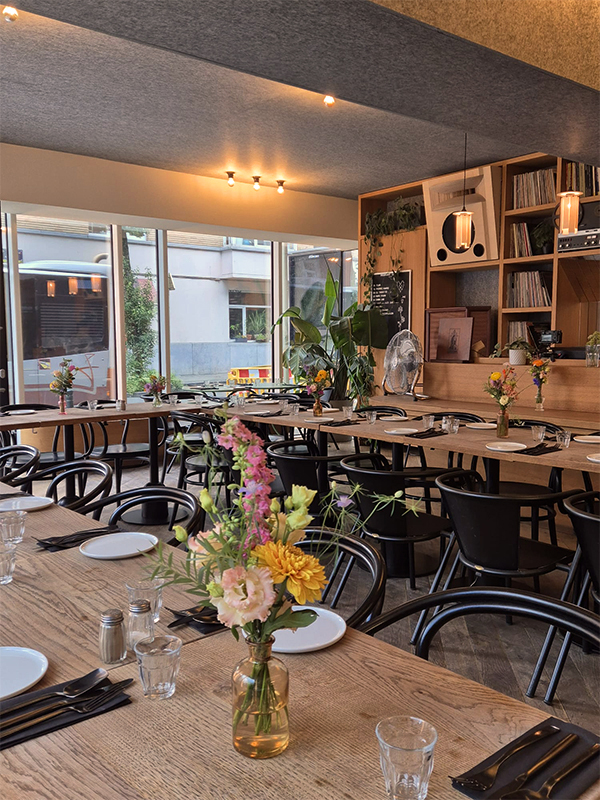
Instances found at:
x=391 y=294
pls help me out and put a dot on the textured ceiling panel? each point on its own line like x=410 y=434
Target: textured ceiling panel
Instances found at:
x=75 y=90
x=365 y=54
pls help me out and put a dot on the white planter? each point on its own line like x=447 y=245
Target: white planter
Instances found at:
x=517 y=358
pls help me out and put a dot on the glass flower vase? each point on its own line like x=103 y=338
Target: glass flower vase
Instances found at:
x=539 y=400
x=157 y=402
x=317 y=407
x=62 y=404
x=502 y=424
x=260 y=699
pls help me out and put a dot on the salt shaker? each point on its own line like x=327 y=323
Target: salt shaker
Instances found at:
x=113 y=648
x=140 y=622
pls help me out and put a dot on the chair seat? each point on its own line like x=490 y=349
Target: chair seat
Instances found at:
x=133 y=450
x=197 y=463
x=55 y=458
x=537 y=555
x=419 y=528
x=522 y=489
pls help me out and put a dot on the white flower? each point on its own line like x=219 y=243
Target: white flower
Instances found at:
x=503 y=400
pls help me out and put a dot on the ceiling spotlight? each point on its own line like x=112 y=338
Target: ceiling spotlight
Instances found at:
x=10 y=14
x=280 y=189
x=328 y=100
x=230 y=180
x=256 y=179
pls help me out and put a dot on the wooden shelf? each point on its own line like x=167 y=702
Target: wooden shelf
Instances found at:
x=530 y=259
x=466 y=267
x=529 y=310
x=591 y=199
x=531 y=211
x=579 y=253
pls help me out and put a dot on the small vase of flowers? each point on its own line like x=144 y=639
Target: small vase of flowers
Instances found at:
x=155 y=387
x=502 y=386
x=539 y=370
x=63 y=383
x=318 y=381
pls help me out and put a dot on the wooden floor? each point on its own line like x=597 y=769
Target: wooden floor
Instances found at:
x=485 y=648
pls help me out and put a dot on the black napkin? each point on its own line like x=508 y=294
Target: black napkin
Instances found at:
x=341 y=423
x=539 y=450
x=61 y=720
x=265 y=414
x=571 y=787
x=55 y=543
x=426 y=434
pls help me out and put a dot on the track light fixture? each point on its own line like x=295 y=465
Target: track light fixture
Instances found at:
x=230 y=180
x=280 y=188
x=10 y=14
x=256 y=179
x=329 y=100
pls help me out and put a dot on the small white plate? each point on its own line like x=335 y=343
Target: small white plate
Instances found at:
x=595 y=457
x=587 y=439
x=481 y=426
x=327 y=629
x=118 y=545
x=507 y=447
x=319 y=419
x=21 y=412
x=20 y=669
x=403 y=431
x=26 y=503
x=391 y=418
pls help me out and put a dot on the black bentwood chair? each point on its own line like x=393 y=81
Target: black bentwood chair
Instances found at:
x=17 y=461
x=149 y=494
x=584 y=512
x=328 y=547
x=298 y=462
x=82 y=472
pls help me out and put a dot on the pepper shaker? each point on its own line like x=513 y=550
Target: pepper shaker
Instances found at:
x=113 y=647
x=140 y=622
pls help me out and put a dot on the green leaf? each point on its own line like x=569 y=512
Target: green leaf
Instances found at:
x=369 y=329
x=341 y=334
x=307 y=329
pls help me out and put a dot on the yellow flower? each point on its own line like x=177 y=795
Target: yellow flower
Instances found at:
x=302 y=497
x=305 y=576
x=299 y=519
x=495 y=376
x=321 y=375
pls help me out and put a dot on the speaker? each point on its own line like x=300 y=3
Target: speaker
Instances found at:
x=443 y=196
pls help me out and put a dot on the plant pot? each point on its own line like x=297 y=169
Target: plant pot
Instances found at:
x=517 y=358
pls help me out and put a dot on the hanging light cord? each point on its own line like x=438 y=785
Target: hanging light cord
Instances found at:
x=464 y=208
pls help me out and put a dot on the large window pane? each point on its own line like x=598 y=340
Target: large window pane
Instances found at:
x=219 y=308
x=141 y=306
x=66 y=305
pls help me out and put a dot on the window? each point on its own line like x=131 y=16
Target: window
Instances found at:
x=248 y=315
x=66 y=306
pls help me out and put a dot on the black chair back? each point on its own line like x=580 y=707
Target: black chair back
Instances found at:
x=82 y=471
x=297 y=462
x=17 y=461
x=384 y=411
x=463 y=416
x=529 y=423
x=584 y=512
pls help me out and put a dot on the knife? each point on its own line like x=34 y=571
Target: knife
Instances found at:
x=566 y=742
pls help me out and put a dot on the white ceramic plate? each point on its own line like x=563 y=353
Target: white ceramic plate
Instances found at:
x=481 y=426
x=403 y=431
x=118 y=545
x=587 y=439
x=22 y=412
x=595 y=457
x=391 y=418
x=26 y=503
x=326 y=630
x=507 y=447
x=319 y=419
x=20 y=669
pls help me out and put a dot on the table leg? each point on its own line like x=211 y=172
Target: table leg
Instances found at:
x=322 y=468
x=397 y=456
x=69 y=450
x=492 y=475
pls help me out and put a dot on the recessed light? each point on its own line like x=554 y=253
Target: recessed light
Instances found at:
x=256 y=179
x=10 y=14
x=328 y=100
x=230 y=180
x=280 y=188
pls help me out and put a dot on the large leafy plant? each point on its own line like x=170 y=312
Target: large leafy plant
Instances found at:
x=345 y=347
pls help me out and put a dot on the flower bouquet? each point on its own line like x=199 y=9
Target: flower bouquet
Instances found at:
x=502 y=386
x=155 y=387
x=317 y=382
x=540 y=370
x=63 y=382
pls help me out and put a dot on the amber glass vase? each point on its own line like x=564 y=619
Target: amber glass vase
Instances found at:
x=502 y=424
x=318 y=408
x=260 y=699
x=62 y=404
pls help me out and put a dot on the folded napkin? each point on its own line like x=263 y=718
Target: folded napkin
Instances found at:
x=540 y=450
x=267 y=413
x=55 y=543
x=61 y=720
x=572 y=786
x=428 y=434
x=343 y=422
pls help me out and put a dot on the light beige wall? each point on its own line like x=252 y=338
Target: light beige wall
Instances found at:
x=47 y=182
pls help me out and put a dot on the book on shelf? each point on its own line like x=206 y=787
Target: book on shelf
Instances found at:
x=534 y=188
x=520 y=243
x=581 y=177
x=530 y=331
x=528 y=289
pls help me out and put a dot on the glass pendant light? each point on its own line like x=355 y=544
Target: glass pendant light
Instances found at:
x=463 y=219
x=568 y=212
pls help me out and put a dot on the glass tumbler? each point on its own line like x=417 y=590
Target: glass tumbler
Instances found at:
x=447 y=423
x=172 y=399
x=454 y=426
x=7 y=561
x=294 y=409
x=347 y=411
x=371 y=417
x=428 y=421
x=147 y=589
x=92 y=405
x=406 y=755
x=284 y=405
x=563 y=438
x=12 y=526
x=538 y=432
x=158 y=660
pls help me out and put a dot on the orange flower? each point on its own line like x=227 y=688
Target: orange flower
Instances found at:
x=304 y=574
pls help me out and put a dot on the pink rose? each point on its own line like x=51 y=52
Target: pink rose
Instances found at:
x=248 y=594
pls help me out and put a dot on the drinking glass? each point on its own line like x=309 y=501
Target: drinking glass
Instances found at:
x=428 y=421
x=563 y=438
x=347 y=411
x=121 y=405
x=294 y=409
x=149 y=589
x=240 y=402
x=454 y=425
x=284 y=404
x=406 y=755
x=172 y=399
x=538 y=432
x=371 y=417
x=7 y=561
x=12 y=526
x=158 y=660
x=447 y=422
x=92 y=405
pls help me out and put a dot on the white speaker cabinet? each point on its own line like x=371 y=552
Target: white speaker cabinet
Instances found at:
x=443 y=196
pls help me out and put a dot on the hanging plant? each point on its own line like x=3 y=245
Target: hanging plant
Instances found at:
x=404 y=216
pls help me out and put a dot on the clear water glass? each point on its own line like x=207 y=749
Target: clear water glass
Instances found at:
x=7 y=561
x=453 y=426
x=240 y=402
x=284 y=404
x=563 y=438
x=158 y=659
x=147 y=589
x=428 y=421
x=447 y=423
x=294 y=409
x=538 y=433
x=172 y=399
x=347 y=412
x=12 y=526
x=92 y=405
x=371 y=417
x=406 y=754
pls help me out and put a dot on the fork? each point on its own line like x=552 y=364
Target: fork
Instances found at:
x=484 y=780
x=544 y=792
x=80 y=708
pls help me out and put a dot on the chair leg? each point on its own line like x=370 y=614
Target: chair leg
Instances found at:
x=552 y=527
x=411 y=565
x=118 y=474
x=435 y=583
x=535 y=524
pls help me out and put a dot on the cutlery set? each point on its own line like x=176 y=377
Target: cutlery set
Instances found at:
x=515 y=789
x=203 y=616
x=427 y=434
x=75 y=539
x=541 y=449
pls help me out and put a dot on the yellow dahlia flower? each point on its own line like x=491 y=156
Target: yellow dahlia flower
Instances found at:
x=495 y=376
x=304 y=574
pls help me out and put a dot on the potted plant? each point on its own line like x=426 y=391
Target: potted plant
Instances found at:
x=542 y=236
x=519 y=351
x=592 y=349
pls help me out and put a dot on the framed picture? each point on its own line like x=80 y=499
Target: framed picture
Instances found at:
x=454 y=339
x=432 y=326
